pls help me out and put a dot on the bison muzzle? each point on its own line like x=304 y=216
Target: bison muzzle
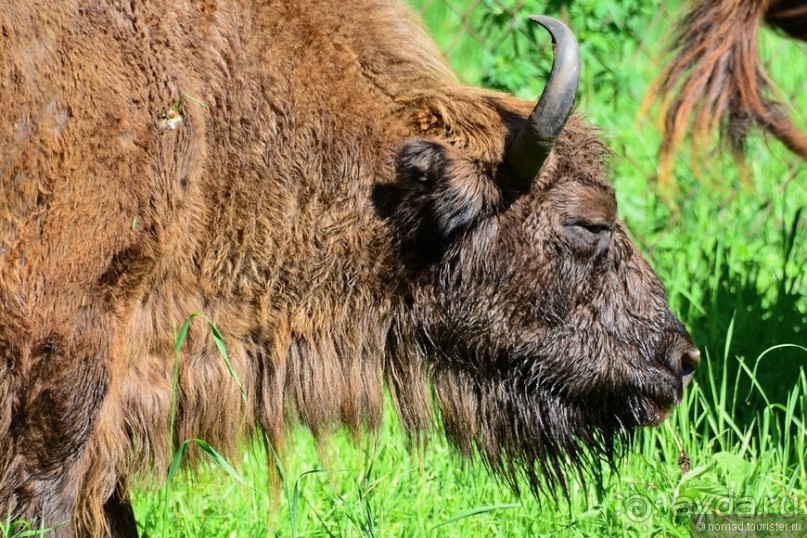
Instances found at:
x=313 y=179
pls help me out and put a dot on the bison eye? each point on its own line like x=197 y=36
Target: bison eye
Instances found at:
x=593 y=227
x=589 y=235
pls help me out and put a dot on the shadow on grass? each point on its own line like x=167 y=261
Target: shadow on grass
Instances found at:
x=746 y=317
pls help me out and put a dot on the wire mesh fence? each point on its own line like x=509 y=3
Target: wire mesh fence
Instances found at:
x=491 y=43
x=475 y=34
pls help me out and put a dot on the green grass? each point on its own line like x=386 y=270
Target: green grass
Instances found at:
x=377 y=488
x=733 y=262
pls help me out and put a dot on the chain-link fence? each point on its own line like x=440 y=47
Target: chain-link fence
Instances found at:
x=476 y=34
x=490 y=43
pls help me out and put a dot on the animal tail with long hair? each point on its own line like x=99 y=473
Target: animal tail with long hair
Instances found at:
x=715 y=79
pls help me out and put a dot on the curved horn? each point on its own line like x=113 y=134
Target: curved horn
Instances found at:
x=533 y=143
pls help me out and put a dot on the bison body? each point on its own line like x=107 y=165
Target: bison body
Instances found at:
x=313 y=179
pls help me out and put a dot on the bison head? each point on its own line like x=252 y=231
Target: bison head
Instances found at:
x=546 y=335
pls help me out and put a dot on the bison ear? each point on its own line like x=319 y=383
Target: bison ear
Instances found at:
x=421 y=161
x=440 y=192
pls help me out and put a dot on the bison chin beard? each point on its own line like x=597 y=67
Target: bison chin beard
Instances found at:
x=527 y=433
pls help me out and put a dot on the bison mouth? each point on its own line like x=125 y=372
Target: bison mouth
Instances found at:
x=531 y=430
x=676 y=363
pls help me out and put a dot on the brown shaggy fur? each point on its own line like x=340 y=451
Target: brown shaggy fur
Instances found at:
x=311 y=177
x=716 y=77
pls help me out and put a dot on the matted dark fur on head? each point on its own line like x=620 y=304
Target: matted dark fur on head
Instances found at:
x=312 y=178
x=547 y=336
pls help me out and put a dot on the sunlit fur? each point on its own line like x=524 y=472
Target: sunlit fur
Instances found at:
x=330 y=198
x=716 y=79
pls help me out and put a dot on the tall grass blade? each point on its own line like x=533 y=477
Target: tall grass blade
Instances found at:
x=475 y=512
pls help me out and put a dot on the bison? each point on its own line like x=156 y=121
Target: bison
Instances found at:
x=313 y=179
x=716 y=76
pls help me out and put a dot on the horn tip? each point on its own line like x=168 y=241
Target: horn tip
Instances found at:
x=554 y=26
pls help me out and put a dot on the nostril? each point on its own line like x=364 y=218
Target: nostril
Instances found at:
x=689 y=363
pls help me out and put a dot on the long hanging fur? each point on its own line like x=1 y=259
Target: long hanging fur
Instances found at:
x=715 y=78
x=331 y=199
